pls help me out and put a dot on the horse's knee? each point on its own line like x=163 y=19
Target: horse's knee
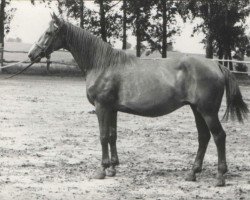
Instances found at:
x=112 y=136
x=104 y=139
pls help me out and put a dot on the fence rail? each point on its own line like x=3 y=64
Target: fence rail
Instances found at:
x=49 y=62
x=42 y=62
x=8 y=51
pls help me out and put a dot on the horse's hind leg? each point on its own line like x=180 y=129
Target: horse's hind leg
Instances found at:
x=203 y=139
x=112 y=142
x=219 y=135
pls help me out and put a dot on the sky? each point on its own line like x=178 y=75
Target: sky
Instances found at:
x=31 y=21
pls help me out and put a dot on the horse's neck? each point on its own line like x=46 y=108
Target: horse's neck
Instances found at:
x=77 y=58
x=75 y=48
x=92 y=54
x=76 y=54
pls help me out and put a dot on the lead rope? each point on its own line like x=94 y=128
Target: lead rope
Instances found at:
x=6 y=66
x=21 y=70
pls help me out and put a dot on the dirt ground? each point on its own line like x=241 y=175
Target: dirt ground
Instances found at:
x=49 y=148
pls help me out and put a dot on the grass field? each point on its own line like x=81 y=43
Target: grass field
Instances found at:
x=50 y=149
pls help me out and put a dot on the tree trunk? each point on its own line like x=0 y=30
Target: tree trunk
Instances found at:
x=226 y=58
x=103 y=21
x=81 y=14
x=124 y=35
x=164 y=27
x=138 y=30
x=209 y=47
x=2 y=18
x=220 y=53
x=230 y=58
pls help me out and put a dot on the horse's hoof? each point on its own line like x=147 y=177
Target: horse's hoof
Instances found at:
x=220 y=182
x=111 y=172
x=191 y=177
x=100 y=175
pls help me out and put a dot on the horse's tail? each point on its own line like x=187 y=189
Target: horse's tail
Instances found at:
x=235 y=104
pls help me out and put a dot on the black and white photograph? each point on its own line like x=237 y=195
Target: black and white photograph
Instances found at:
x=124 y=99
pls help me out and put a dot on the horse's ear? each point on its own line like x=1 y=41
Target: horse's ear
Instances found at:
x=56 y=20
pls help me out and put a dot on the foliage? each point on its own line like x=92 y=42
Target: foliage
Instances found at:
x=223 y=21
x=144 y=18
x=241 y=67
x=9 y=14
x=92 y=19
x=111 y=20
x=17 y=39
x=73 y=10
x=155 y=31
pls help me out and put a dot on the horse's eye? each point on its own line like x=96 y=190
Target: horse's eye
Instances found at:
x=48 y=33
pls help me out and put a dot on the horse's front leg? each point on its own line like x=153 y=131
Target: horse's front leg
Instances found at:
x=104 y=116
x=112 y=142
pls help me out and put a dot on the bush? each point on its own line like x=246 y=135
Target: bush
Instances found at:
x=241 y=67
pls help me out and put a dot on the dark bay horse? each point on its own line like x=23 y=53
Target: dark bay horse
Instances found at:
x=117 y=81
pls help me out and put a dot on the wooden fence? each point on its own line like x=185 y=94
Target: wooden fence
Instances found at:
x=48 y=62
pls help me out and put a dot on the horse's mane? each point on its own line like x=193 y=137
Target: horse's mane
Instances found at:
x=93 y=52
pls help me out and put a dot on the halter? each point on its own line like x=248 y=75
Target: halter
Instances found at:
x=45 y=48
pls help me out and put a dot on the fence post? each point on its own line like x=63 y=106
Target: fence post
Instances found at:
x=48 y=64
x=1 y=56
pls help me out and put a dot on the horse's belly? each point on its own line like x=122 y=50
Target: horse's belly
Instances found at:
x=151 y=108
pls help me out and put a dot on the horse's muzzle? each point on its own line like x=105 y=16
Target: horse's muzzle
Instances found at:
x=35 y=59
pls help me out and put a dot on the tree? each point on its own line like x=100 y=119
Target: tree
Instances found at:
x=102 y=20
x=105 y=23
x=109 y=20
x=163 y=26
x=139 y=13
x=223 y=23
x=2 y=19
x=17 y=39
x=124 y=25
x=77 y=10
x=153 y=21
x=6 y=15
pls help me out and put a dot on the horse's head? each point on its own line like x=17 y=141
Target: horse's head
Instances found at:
x=51 y=40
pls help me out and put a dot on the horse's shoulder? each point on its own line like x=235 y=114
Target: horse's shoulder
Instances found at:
x=103 y=88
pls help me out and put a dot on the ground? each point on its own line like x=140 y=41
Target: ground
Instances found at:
x=49 y=148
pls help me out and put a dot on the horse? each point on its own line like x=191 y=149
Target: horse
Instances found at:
x=120 y=82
